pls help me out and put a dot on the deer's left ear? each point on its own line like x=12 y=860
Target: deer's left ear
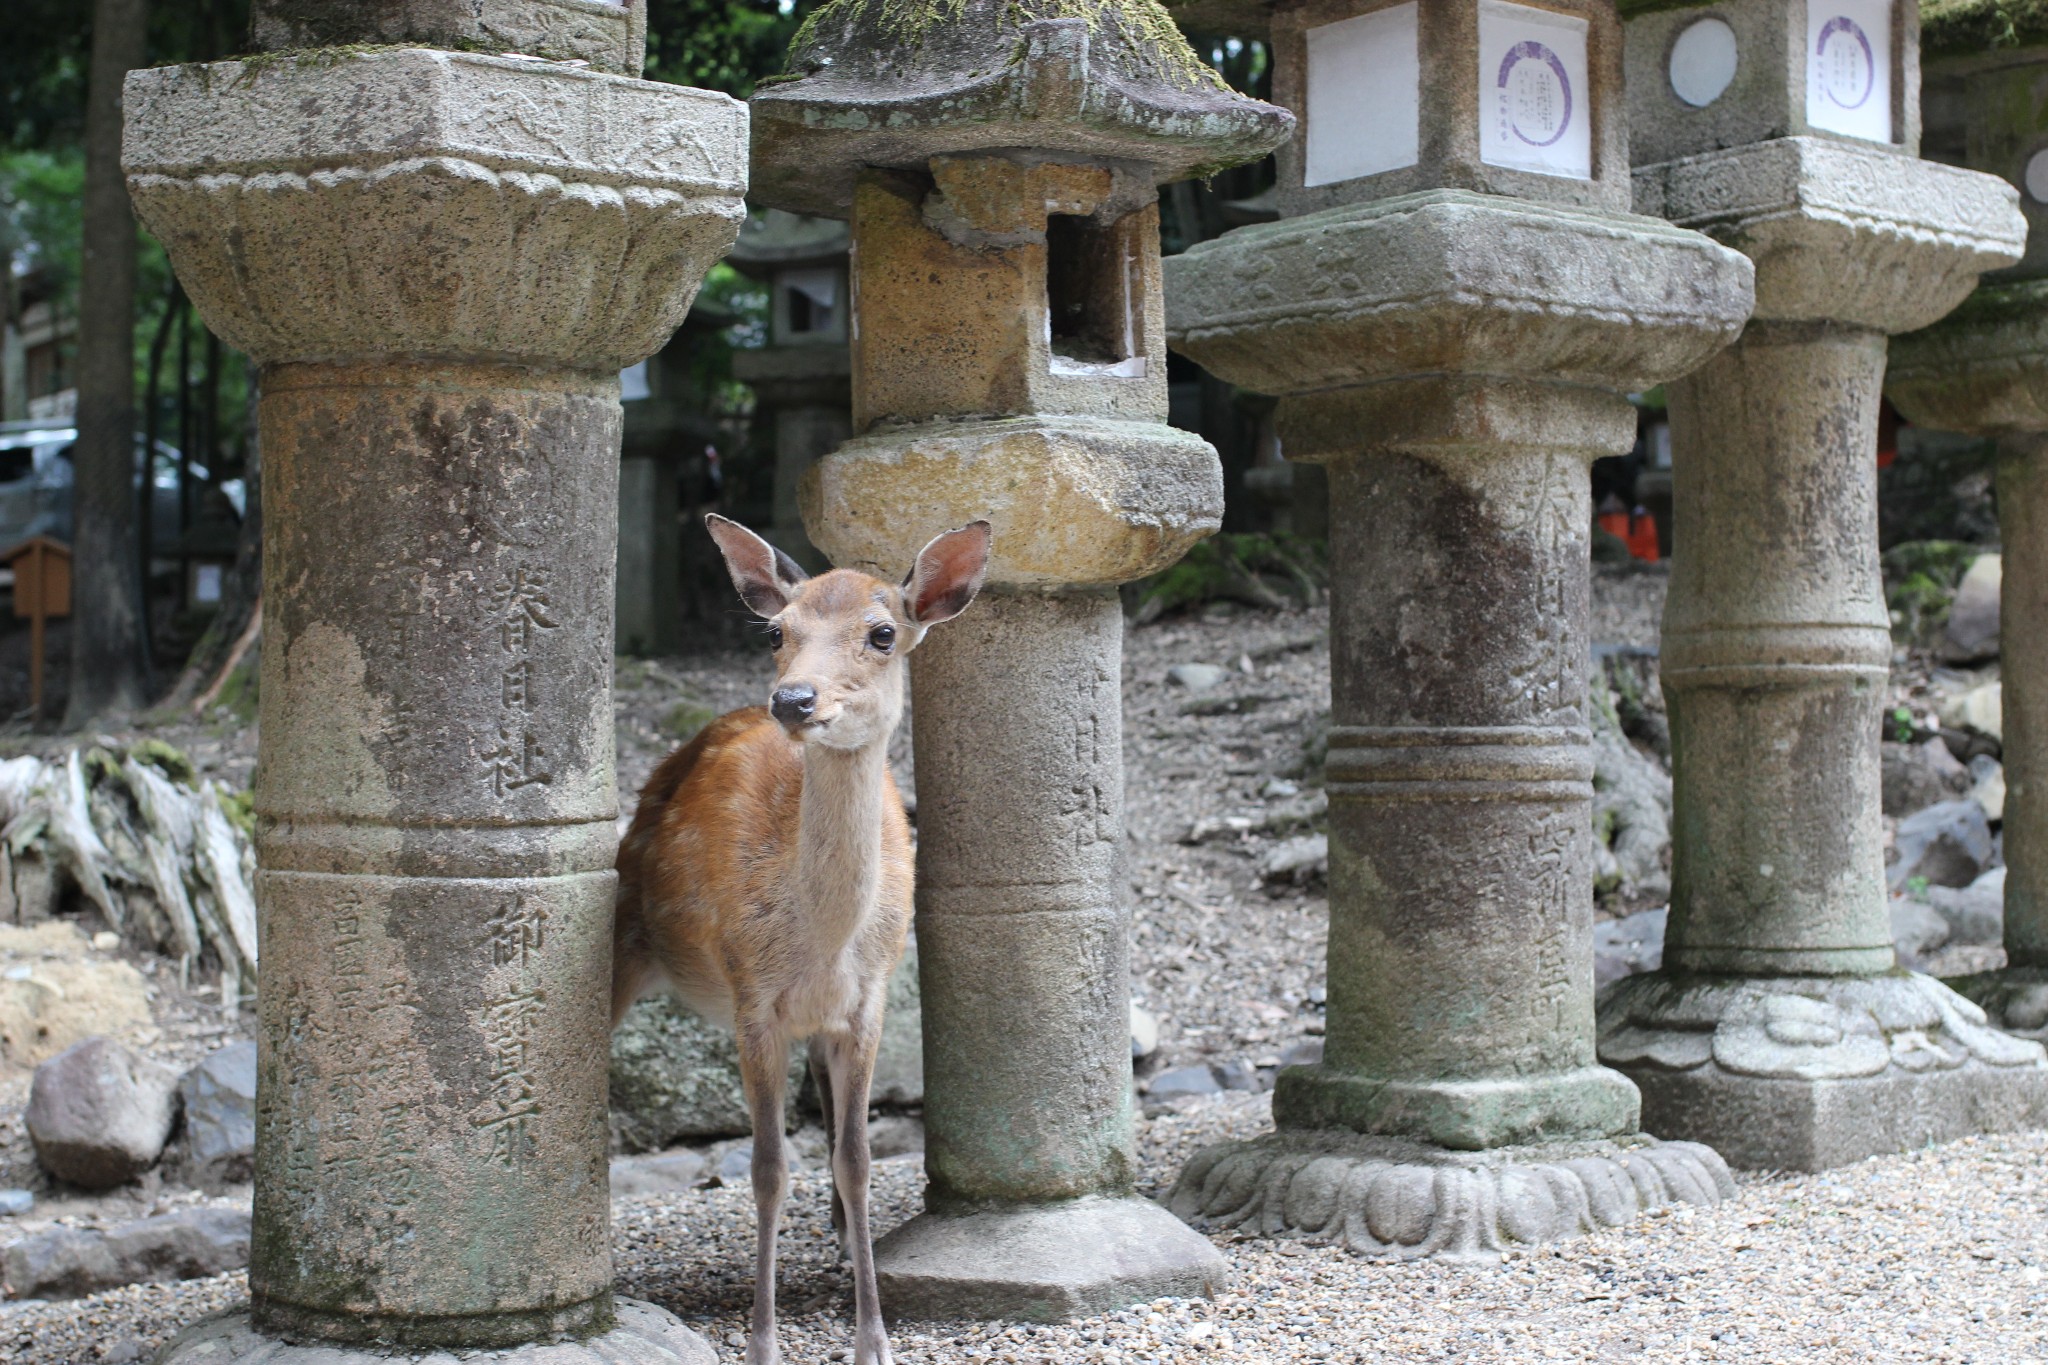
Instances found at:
x=948 y=574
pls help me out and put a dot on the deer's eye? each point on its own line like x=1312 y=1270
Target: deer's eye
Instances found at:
x=882 y=638
x=775 y=637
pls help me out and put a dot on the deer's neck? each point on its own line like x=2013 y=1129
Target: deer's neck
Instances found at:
x=839 y=841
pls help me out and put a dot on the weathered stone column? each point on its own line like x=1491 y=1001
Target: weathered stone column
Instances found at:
x=1778 y=1029
x=442 y=261
x=1009 y=362
x=1984 y=370
x=1451 y=307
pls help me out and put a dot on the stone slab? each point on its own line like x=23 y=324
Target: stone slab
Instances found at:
x=1843 y=232
x=1806 y=1073
x=1074 y=500
x=1044 y=1263
x=611 y=35
x=435 y=205
x=1385 y=1197
x=645 y=1335
x=1448 y=281
x=1983 y=369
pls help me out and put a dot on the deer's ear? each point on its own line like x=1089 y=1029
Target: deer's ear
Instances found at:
x=948 y=574
x=766 y=577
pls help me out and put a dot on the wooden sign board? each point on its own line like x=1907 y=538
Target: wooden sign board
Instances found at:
x=42 y=577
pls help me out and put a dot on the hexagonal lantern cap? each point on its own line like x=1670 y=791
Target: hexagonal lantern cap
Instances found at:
x=894 y=83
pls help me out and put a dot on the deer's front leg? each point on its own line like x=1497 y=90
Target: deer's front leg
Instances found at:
x=764 y=1057
x=852 y=1058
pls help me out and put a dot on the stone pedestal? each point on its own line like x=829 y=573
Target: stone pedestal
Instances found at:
x=1983 y=370
x=441 y=262
x=1778 y=1028
x=1009 y=363
x=1456 y=384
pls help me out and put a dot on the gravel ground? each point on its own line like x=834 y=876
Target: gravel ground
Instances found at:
x=1937 y=1255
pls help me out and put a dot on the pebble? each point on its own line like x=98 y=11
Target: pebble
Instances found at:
x=1197 y=677
x=13 y=1202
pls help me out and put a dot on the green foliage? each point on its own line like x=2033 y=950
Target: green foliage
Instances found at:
x=40 y=213
x=1920 y=579
x=1272 y=572
x=1951 y=28
x=1904 y=731
x=724 y=45
x=167 y=759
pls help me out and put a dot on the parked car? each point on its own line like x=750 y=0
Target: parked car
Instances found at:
x=36 y=479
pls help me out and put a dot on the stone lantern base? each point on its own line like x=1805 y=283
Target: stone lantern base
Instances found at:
x=1045 y=1263
x=1805 y=1073
x=1385 y=1196
x=645 y=1335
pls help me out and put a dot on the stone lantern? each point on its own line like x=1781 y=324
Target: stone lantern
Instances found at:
x=1779 y=1028
x=441 y=261
x=1984 y=370
x=1452 y=312
x=1000 y=173
x=802 y=379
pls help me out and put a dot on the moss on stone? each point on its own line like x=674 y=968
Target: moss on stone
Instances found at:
x=167 y=759
x=1149 y=30
x=686 y=718
x=1961 y=28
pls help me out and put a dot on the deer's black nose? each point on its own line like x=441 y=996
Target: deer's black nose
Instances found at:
x=793 y=705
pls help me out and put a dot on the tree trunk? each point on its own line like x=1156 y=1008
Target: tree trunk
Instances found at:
x=110 y=629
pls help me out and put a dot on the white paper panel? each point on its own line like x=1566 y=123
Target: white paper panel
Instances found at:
x=1535 y=103
x=1849 y=67
x=1364 y=96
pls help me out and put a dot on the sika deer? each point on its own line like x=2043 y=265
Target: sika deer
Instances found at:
x=766 y=878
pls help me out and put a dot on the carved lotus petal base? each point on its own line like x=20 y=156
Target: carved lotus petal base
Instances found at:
x=2014 y=999
x=1398 y=1199
x=645 y=1335
x=1805 y=1073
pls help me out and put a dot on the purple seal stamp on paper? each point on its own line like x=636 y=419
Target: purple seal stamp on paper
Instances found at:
x=1535 y=94
x=1844 y=62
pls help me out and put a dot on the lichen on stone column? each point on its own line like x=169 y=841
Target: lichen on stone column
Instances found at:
x=441 y=261
x=1983 y=370
x=1451 y=338
x=999 y=165
x=1779 y=1029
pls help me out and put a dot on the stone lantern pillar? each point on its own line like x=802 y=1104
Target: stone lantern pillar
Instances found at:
x=1452 y=307
x=442 y=260
x=803 y=378
x=1009 y=362
x=1779 y=1029
x=1984 y=370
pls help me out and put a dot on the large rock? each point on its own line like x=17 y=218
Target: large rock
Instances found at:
x=1975 y=913
x=1981 y=709
x=219 y=1095
x=1919 y=775
x=69 y=1263
x=674 y=1172
x=676 y=1078
x=1947 y=844
x=1918 y=929
x=1972 y=630
x=1631 y=807
x=1634 y=943
x=99 y=1114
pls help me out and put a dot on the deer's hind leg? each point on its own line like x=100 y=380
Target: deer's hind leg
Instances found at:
x=851 y=1057
x=764 y=1059
x=821 y=1078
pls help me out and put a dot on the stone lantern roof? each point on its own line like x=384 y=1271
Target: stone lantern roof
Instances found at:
x=772 y=239
x=893 y=83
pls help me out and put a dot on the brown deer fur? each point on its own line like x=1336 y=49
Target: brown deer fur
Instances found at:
x=766 y=877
